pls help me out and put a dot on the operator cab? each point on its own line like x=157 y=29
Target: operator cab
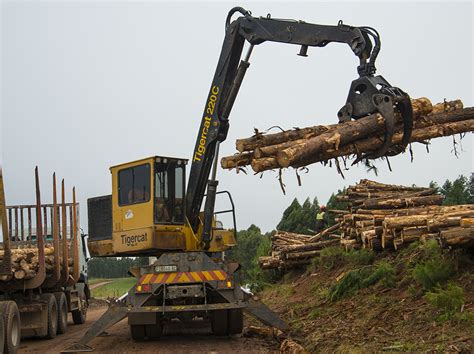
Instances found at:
x=161 y=182
x=146 y=212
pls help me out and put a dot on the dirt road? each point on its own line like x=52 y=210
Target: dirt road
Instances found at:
x=118 y=340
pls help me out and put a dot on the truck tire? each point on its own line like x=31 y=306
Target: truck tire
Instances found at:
x=236 y=321
x=219 y=322
x=154 y=331
x=2 y=334
x=79 y=315
x=52 y=310
x=62 y=312
x=137 y=332
x=12 y=326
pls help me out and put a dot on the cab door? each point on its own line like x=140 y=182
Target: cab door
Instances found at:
x=134 y=202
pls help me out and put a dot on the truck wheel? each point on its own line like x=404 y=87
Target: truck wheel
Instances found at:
x=155 y=331
x=236 y=321
x=79 y=315
x=219 y=322
x=2 y=333
x=12 y=326
x=52 y=310
x=62 y=312
x=137 y=332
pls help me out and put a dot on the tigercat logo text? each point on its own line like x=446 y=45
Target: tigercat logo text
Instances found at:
x=133 y=240
x=211 y=105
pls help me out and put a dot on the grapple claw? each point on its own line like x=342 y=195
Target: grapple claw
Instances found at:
x=403 y=105
x=369 y=95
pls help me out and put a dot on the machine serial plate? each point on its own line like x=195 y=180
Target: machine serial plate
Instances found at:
x=166 y=268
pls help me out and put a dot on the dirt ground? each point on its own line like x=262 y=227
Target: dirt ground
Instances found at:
x=117 y=340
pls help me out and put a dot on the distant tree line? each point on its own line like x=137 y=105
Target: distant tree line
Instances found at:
x=113 y=267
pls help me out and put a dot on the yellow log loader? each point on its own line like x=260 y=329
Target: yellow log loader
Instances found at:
x=152 y=212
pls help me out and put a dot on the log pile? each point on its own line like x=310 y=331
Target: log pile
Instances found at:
x=384 y=216
x=322 y=143
x=379 y=216
x=291 y=250
x=25 y=263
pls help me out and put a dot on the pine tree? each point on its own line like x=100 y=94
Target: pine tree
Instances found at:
x=458 y=191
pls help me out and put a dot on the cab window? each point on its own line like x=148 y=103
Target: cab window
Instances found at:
x=169 y=193
x=134 y=185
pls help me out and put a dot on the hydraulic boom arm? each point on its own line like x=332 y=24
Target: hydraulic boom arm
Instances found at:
x=367 y=95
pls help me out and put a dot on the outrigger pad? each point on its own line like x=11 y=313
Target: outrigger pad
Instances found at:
x=78 y=348
x=262 y=313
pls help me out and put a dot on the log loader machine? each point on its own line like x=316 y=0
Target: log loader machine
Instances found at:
x=151 y=212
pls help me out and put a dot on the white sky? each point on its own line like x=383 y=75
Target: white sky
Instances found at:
x=87 y=85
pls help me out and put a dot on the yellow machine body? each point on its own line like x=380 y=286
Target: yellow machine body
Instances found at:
x=140 y=224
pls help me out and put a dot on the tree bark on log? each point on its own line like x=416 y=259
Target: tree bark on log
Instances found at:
x=372 y=144
x=327 y=231
x=458 y=236
x=237 y=160
x=403 y=202
x=331 y=140
x=421 y=107
x=259 y=140
x=309 y=246
x=425 y=128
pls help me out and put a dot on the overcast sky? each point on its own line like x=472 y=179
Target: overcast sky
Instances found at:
x=87 y=85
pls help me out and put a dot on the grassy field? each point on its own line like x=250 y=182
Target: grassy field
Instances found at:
x=116 y=288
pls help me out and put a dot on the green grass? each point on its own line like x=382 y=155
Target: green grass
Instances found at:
x=334 y=257
x=447 y=301
x=93 y=281
x=116 y=288
x=357 y=279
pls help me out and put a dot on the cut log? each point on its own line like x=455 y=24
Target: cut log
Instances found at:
x=373 y=143
x=331 y=140
x=447 y=106
x=403 y=202
x=399 y=222
x=237 y=160
x=467 y=222
x=259 y=140
x=310 y=246
x=302 y=255
x=327 y=231
x=457 y=236
x=421 y=107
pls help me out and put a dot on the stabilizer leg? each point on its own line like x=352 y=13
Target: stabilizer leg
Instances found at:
x=262 y=313
x=114 y=314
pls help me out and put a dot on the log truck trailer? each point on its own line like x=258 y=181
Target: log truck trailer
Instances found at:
x=151 y=213
x=35 y=299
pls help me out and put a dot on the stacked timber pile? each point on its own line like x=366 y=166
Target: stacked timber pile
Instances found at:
x=290 y=250
x=379 y=216
x=25 y=262
x=384 y=216
x=322 y=143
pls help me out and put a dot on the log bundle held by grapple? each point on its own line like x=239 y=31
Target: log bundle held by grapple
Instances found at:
x=25 y=262
x=379 y=216
x=321 y=143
